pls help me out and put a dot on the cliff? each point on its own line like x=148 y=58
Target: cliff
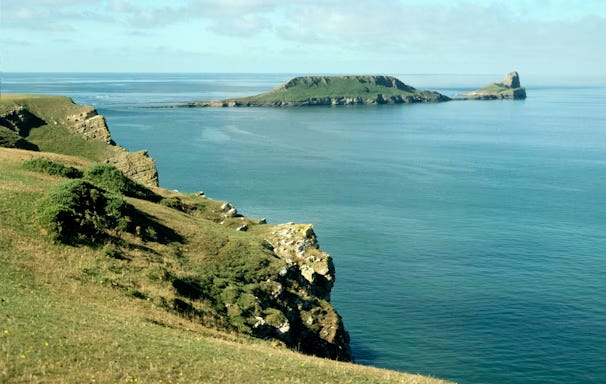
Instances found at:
x=509 y=88
x=332 y=90
x=56 y=124
x=187 y=254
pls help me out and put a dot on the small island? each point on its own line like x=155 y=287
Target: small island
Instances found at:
x=509 y=88
x=332 y=90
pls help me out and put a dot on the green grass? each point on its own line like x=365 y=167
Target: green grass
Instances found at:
x=54 y=136
x=493 y=88
x=333 y=86
x=105 y=313
x=57 y=139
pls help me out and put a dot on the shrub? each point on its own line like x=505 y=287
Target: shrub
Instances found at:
x=78 y=211
x=111 y=179
x=174 y=203
x=52 y=168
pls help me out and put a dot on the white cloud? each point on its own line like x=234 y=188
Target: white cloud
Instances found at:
x=438 y=33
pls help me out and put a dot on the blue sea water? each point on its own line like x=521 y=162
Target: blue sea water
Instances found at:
x=469 y=237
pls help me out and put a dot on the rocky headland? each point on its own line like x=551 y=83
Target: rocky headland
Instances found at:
x=188 y=254
x=509 y=88
x=60 y=116
x=332 y=90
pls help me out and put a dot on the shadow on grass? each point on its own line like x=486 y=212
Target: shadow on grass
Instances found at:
x=150 y=229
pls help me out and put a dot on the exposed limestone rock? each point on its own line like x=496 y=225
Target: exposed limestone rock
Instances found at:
x=297 y=245
x=90 y=125
x=229 y=210
x=298 y=310
x=136 y=165
x=512 y=80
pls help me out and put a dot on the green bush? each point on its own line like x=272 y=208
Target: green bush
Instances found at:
x=78 y=211
x=52 y=168
x=111 y=179
x=174 y=203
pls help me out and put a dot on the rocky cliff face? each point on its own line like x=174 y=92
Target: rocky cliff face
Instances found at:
x=138 y=166
x=20 y=120
x=302 y=295
x=90 y=125
x=85 y=123
x=512 y=80
x=425 y=97
x=509 y=88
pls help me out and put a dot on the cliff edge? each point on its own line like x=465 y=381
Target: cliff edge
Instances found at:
x=57 y=124
x=190 y=255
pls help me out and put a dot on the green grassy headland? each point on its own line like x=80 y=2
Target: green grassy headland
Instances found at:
x=147 y=285
x=334 y=90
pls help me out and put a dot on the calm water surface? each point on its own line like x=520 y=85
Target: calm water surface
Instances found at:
x=469 y=237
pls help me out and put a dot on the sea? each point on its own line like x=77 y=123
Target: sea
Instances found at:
x=469 y=237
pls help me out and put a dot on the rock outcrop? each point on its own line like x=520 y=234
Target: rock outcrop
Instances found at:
x=15 y=125
x=18 y=120
x=509 y=88
x=512 y=80
x=302 y=295
x=89 y=125
x=138 y=166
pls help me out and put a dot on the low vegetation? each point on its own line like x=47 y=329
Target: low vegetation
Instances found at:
x=52 y=168
x=77 y=211
x=111 y=179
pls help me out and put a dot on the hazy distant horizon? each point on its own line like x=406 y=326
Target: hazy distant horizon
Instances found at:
x=309 y=36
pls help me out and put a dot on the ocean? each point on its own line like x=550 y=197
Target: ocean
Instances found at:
x=469 y=237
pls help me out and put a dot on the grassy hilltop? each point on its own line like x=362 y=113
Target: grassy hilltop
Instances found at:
x=333 y=90
x=106 y=280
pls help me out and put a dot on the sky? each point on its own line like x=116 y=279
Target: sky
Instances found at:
x=549 y=37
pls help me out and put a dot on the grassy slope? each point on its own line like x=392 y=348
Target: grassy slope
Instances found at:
x=55 y=137
x=493 y=88
x=70 y=313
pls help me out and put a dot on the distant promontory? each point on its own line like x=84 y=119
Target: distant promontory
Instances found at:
x=332 y=90
x=509 y=88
